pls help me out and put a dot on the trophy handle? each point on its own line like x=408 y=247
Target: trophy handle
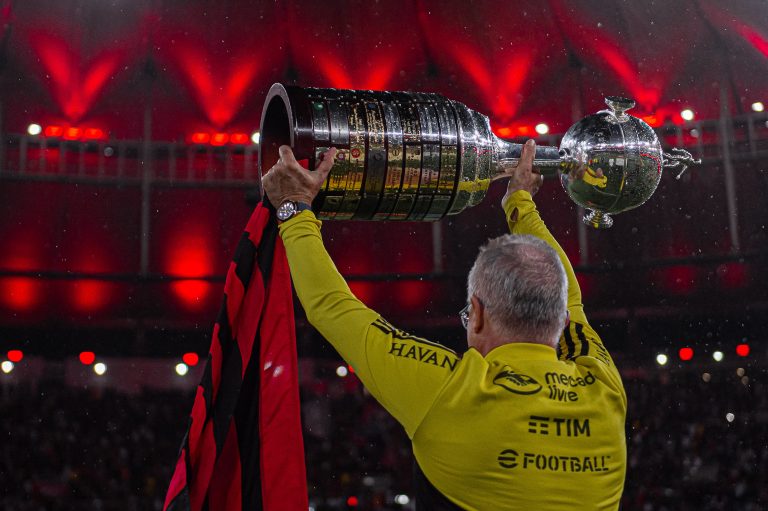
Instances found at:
x=549 y=160
x=679 y=158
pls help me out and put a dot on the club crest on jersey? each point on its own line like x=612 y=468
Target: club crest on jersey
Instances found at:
x=516 y=382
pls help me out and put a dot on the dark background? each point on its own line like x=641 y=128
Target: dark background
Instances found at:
x=152 y=73
x=118 y=242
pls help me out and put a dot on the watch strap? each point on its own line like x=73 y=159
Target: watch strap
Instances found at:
x=301 y=206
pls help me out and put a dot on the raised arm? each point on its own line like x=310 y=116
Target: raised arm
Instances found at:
x=403 y=372
x=578 y=339
x=523 y=218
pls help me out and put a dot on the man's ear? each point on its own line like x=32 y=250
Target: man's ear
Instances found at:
x=478 y=314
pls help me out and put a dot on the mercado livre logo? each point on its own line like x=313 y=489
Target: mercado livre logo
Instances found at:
x=516 y=382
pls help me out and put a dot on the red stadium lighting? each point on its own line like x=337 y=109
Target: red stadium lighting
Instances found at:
x=652 y=121
x=742 y=350
x=93 y=134
x=200 y=138
x=72 y=133
x=505 y=131
x=524 y=131
x=733 y=275
x=15 y=355
x=686 y=353
x=20 y=293
x=679 y=279
x=191 y=359
x=219 y=139
x=90 y=295
x=53 y=131
x=239 y=138
x=192 y=292
x=87 y=357
x=352 y=501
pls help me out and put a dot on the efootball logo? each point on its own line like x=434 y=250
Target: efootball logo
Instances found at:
x=516 y=382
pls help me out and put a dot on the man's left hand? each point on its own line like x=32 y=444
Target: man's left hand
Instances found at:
x=524 y=176
x=289 y=181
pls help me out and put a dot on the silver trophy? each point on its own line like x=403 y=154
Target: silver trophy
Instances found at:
x=419 y=156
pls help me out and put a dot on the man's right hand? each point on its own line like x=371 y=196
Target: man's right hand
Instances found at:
x=287 y=180
x=524 y=176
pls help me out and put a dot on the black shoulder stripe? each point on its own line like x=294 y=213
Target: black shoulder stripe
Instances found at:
x=569 y=343
x=583 y=339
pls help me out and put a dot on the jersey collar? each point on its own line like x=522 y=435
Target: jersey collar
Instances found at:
x=521 y=350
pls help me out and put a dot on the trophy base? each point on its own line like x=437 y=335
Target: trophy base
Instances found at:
x=598 y=219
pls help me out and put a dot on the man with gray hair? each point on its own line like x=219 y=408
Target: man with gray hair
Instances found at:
x=524 y=290
x=532 y=415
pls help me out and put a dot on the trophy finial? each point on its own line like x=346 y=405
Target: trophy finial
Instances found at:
x=619 y=105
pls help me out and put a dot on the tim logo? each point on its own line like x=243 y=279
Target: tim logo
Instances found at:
x=516 y=382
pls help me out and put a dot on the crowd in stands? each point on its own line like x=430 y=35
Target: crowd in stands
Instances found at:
x=696 y=441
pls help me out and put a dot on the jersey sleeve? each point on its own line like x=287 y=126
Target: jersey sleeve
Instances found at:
x=403 y=372
x=579 y=341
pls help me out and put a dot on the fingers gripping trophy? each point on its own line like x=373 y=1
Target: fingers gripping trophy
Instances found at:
x=420 y=156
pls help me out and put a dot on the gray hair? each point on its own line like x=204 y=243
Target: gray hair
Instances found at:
x=522 y=284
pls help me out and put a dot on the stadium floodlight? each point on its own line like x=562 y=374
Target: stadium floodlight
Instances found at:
x=402 y=499
x=661 y=359
x=342 y=371
x=542 y=129
x=239 y=138
x=256 y=137
x=729 y=417
x=34 y=129
x=686 y=353
x=100 y=368
x=758 y=106
x=687 y=114
x=718 y=356
x=191 y=358
x=182 y=368
x=87 y=357
x=6 y=366
x=200 y=137
x=219 y=139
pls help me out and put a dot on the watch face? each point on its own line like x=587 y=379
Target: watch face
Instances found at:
x=286 y=210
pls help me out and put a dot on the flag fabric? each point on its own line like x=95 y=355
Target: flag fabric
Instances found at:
x=244 y=449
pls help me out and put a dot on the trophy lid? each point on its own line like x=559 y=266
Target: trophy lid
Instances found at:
x=619 y=105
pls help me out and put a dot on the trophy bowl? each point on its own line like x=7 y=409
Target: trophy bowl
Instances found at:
x=420 y=156
x=615 y=162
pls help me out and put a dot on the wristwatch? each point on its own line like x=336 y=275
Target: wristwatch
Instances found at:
x=288 y=209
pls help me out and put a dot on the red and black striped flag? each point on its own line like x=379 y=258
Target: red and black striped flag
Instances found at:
x=243 y=449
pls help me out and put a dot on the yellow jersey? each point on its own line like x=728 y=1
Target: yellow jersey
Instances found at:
x=525 y=427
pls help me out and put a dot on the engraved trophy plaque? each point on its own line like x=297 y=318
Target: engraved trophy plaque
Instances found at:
x=420 y=156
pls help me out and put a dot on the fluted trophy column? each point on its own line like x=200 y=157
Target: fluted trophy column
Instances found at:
x=420 y=156
x=402 y=155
